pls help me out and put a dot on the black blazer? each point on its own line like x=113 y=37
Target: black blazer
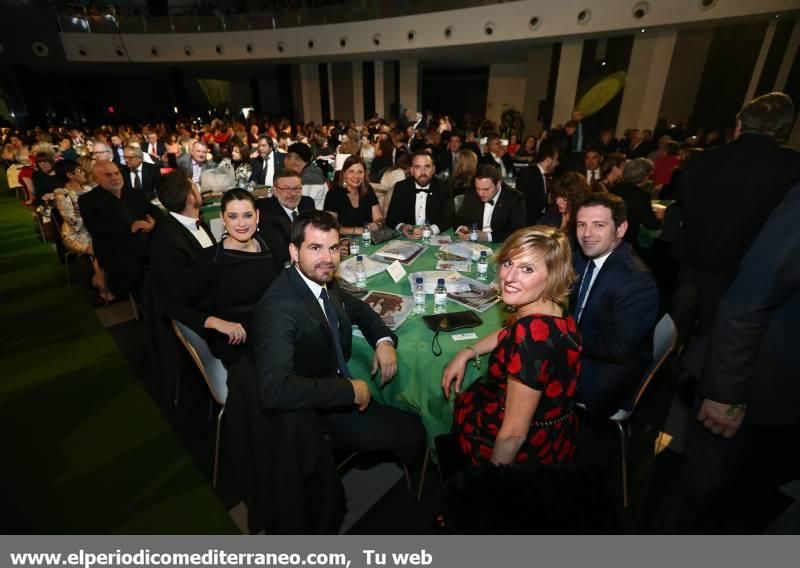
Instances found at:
x=151 y=177
x=508 y=215
x=507 y=159
x=726 y=202
x=275 y=227
x=617 y=329
x=257 y=165
x=439 y=208
x=531 y=184
x=445 y=161
x=161 y=149
x=294 y=354
x=107 y=221
x=753 y=356
x=174 y=250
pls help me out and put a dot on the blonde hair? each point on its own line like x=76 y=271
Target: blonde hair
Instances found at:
x=466 y=164
x=553 y=244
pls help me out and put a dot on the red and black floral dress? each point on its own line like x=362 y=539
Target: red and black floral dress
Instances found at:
x=543 y=352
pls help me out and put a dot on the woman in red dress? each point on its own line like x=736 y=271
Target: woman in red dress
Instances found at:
x=523 y=411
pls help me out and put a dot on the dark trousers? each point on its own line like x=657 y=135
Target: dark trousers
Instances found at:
x=697 y=298
x=378 y=428
x=730 y=485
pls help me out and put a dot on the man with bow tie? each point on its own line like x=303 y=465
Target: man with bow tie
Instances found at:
x=266 y=162
x=419 y=198
x=497 y=210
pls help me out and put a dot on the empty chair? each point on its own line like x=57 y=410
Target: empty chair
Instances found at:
x=214 y=373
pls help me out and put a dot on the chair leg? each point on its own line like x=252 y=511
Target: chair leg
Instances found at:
x=623 y=446
x=67 y=254
x=216 y=448
x=177 y=391
x=134 y=306
x=423 y=473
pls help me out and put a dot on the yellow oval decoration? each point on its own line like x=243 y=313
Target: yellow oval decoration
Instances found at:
x=601 y=94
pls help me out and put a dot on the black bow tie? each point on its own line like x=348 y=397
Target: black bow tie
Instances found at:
x=490 y=202
x=198 y=224
x=423 y=190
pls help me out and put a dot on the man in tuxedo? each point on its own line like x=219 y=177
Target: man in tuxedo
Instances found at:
x=740 y=444
x=532 y=181
x=615 y=302
x=177 y=242
x=277 y=214
x=419 y=198
x=497 y=210
x=266 y=162
x=101 y=152
x=497 y=156
x=197 y=162
x=139 y=176
x=447 y=158
x=155 y=147
x=120 y=222
x=302 y=340
x=727 y=193
x=638 y=146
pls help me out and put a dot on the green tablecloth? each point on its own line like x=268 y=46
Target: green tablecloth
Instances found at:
x=417 y=385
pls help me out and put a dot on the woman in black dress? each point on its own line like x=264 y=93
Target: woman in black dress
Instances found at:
x=231 y=276
x=355 y=203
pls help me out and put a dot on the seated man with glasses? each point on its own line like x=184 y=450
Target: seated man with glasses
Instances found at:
x=102 y=153
x=278 y=213
x=139 y=175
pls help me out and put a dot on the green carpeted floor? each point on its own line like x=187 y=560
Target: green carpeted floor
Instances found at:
x=85 y=449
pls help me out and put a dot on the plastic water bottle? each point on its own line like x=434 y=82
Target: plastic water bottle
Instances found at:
x=426 y=232
x=354 y=246
x=473 y=235
x=440 y=297
x=419 y=296
x=365 y=236
x=483 y=266
x=361 y=272
x=252 y=186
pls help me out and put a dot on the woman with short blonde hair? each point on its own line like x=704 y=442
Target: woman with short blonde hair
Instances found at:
x=524 y=409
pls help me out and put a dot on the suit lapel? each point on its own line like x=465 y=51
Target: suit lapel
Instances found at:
x=602 y=277
x=309 y=301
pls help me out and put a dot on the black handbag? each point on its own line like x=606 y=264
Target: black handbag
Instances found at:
x=449 y=322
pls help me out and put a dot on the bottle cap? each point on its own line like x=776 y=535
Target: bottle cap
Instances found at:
x=419 y=280
x=359 y=258
x=483 y=253
x=440 y=282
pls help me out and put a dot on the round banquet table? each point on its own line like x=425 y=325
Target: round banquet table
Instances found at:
x=417 y=385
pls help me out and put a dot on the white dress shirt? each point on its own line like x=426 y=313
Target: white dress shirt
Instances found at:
x=289 y=213
x=500 y=165
x=316 y=289
x=191 y=225
x=197 y=169
x=270 y=169
x=133 y=176
x=589 y=178
x=488 y=209
x=420 y=208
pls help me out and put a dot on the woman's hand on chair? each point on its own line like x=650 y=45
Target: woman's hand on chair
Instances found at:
x=235 y=331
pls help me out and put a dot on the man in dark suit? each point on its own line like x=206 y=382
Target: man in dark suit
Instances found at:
x=496 y=209
x=138 y=175
x=449 y=156
x=638 y=204
x=302 y=340
x=155 y=147
x=638 y=146
x=194 y=164
x=497 y=156
x=277 y=214
x=266 y=163
x=120 y=223
x=727 y=193
x=615 y=302
x=419 y=198
x=532 y=181
x=740 y=448
x=176 y=244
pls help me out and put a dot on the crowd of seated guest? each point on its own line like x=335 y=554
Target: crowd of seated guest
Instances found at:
x=586 y=301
